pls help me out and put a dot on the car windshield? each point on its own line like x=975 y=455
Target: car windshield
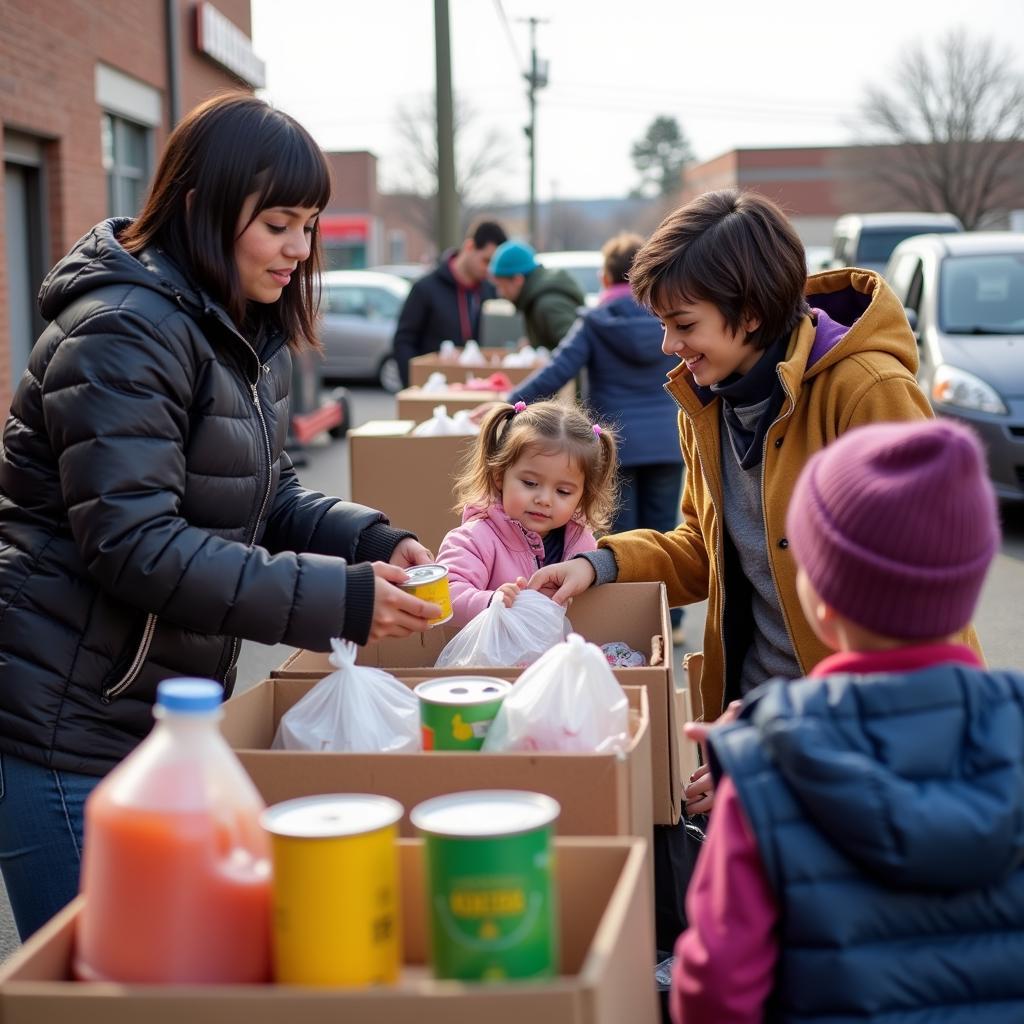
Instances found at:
x=876 y=246
x=982 y=294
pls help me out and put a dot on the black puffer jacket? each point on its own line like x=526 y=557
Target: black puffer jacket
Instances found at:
x=149 y=518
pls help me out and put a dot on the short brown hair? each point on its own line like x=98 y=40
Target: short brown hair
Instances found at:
x=734 y=249
x=548 y=428
x=619 y=253
x=222 y=151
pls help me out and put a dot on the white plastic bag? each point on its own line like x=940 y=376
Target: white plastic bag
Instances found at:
x=471 y=355
x=357 y=709
x=437 y=381
x=501 y=637
x=568 y=700
x=462 y=424
x=442 y=425
x=448 y=349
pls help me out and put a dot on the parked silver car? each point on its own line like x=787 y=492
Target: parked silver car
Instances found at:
x=964 y=297
x=359 y=313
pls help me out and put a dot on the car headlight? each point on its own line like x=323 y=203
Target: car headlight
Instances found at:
x=952 y=386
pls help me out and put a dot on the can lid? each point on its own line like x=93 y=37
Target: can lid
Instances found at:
x=484 y=813
x=462 y=690
x=417 y=575
x=335 y=814
x=189 y=696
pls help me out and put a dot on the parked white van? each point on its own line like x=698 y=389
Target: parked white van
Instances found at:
x=867 y=239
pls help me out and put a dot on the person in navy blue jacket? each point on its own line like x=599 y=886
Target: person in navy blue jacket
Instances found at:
x=618 y=343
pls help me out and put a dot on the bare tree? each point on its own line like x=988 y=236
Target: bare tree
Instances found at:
x=479 y=154
x=956 y=120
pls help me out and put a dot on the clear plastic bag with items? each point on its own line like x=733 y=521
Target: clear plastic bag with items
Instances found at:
x=501 y=637
x=568 y=700
x=356 y=709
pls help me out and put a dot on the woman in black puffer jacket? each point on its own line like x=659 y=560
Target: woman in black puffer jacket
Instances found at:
x=150 y=519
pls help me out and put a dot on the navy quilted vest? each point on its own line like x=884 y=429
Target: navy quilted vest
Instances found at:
x=889 y=814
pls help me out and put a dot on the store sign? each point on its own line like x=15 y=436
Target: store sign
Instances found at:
x=224 y=42
x=335 y=227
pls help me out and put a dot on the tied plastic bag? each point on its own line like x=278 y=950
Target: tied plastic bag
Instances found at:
x=462 y=424
x=567 y=700
x=471 y=355
x=443 y=425
x=448 y=349
x=357 y=709
x=437 y=381
x=501 y=637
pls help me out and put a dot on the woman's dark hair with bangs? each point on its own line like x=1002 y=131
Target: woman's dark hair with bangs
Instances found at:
x=734 y=249
x=222 y=151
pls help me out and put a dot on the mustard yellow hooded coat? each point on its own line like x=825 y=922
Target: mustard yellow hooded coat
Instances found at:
x=866 y=376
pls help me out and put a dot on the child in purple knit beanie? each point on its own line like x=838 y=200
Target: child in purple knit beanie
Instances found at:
x=867 y=831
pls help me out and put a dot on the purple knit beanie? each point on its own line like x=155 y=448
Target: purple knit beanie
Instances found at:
x=895 y=524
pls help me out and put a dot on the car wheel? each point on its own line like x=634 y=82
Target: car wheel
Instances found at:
x=388 y=375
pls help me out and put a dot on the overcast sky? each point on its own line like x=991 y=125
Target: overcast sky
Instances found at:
x=741 y=73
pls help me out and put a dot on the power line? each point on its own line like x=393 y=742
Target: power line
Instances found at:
x=503 y=18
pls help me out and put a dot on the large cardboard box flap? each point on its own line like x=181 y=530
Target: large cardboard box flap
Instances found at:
x=606 y=977
x=600 y=794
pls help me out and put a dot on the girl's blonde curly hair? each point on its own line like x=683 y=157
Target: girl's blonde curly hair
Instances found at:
x=548 y=428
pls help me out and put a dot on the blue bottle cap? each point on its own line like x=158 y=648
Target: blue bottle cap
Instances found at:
x=189 y=696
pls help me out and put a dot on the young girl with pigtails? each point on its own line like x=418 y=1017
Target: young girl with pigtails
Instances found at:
x=540 y=480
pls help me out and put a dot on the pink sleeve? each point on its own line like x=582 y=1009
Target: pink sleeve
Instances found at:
x=468 y=575
x=725 y=960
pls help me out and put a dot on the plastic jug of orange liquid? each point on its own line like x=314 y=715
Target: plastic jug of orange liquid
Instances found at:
x=176 y=868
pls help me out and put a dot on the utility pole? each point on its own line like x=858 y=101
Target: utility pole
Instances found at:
x=447 y=197
x=536 y=78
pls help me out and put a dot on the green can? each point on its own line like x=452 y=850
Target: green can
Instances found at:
x=491 y=896
x=457 y=711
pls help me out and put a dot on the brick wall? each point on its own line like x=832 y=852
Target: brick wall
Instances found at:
x=48 y=55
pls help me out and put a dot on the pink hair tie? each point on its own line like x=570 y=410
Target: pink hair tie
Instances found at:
x=519 y=406
x=596 y=428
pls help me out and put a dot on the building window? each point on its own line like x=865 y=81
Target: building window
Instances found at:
x=396 y=246
x=127 y=162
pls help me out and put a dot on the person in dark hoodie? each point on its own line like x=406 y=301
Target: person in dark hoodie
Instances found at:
x=865 y=859
x=150 y=519
x=549 y=300
x=445 y=304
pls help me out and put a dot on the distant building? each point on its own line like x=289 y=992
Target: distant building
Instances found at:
x=815 y=184
x=361 y=227
x=88 y=93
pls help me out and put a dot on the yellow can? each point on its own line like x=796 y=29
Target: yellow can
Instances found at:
x=336 y=914
x=430 y=583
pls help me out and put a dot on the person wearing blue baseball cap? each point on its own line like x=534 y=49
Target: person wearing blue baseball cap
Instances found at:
x=548 y=299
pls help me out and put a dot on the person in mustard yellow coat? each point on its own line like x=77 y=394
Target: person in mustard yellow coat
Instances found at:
x=773 y=367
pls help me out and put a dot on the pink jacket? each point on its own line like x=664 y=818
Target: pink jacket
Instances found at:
x=490 y=549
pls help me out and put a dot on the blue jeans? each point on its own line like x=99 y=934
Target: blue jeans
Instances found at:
x=41 y=819
x=649 y=500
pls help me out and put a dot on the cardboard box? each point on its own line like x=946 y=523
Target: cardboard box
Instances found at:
x=409 y=479
x=417 y=405
x=600 y=794
x=421 y=367
x=607 y=973
x=636 y=613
